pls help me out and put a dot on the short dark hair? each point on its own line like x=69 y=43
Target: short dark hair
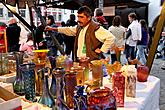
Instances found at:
x=98 y=12
x=133 y=16
x=50 y=17
x=116 y=21
x=72 y=17
x=86 y=10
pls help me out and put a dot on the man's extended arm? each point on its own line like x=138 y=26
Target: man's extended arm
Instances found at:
x=70 y=31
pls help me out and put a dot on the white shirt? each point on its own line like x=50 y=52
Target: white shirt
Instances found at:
x=101 y=34
x=135 y=33
x=118 y=32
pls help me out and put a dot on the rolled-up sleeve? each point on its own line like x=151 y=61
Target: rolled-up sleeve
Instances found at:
x=70 y=31
x=106 y=38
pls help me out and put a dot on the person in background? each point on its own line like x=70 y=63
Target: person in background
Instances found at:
x=98 y=17
x=40 y=36
x=27 y=47
x=142 y=45
x=50 y=45
x=13 y=34
x=91 y=40
x=133 y=35
x=119 y=32
x=69 y=40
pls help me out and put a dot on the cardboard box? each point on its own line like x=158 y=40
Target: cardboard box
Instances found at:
x=7 y=86
x=8 y=78
x=9 y=101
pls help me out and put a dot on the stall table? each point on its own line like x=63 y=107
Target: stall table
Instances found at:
x=147 y=96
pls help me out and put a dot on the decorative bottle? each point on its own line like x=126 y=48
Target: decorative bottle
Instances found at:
x=18 y=84
x=46 y=98
x=118 y=85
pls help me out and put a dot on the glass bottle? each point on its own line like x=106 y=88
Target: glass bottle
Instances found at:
x=46 y=98
x=70 y=83
x=29 y=80
x=84 y=61
x=80 y=98
x=80 y=76
x=19 y=82
x=118 y=85
x=39 y=81
x=57 y=73
x=4 y=64
x=131 y=81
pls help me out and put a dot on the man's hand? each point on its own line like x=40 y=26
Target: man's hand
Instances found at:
x=98 y=50
x=49 y=28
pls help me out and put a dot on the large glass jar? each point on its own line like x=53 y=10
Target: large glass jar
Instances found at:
x=84 y=61
x=101 y=99
x=80 y=76
x=70 y=83
x=118 y=85
x=97 y=71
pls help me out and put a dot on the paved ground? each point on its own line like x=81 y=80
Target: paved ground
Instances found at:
x=160 y=73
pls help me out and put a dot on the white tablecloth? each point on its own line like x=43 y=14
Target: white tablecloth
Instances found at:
x=147 y=95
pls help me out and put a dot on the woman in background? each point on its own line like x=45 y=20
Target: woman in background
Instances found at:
x=28 y=46
x=142 y=45
x=119 y=32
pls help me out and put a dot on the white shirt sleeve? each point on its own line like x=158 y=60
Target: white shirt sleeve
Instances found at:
x=106 y=38
x=70 y=31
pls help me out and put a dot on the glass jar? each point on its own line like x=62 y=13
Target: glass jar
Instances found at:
x=101 y=99
x=97 y=71
x=84 y=61
x=118 y=85
x=131 y=81
x=64 y=61
x=4 y=68
x=70 y=83
x=80 y=77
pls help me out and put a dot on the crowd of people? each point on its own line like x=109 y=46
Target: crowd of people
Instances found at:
x=89 y=36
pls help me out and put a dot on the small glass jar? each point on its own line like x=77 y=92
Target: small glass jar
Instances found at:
x=131 y=81
x=64 y=61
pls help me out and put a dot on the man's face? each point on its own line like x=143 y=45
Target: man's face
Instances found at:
x=130 y=19
x=83 y=20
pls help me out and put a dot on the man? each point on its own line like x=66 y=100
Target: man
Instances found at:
x=13 y=34
x=91 y=39
x=133 y=35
